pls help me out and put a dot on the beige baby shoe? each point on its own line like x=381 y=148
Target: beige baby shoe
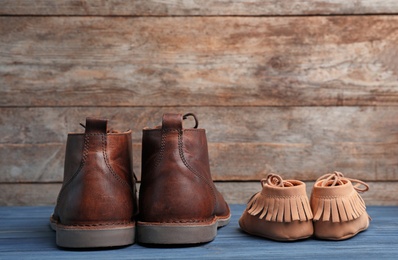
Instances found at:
x=281 y=211
x=339 y=211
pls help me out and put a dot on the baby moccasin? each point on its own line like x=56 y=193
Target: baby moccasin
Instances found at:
x=281 y=211
x=339 y=211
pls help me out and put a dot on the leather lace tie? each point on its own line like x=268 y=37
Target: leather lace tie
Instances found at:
x=337 y=178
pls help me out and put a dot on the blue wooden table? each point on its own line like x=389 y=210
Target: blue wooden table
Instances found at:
x=25 y=233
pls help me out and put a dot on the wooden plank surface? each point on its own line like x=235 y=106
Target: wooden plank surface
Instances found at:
x=280 y=86
x=245 y=143
x=380 y=193
x=28 y=194
x=199 y=61
x=279 y=125
x=228 y=161
x=25 y=233
x=190 y=7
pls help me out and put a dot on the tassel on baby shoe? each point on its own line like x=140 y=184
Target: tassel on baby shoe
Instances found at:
x=339 y=211
x=280 y=211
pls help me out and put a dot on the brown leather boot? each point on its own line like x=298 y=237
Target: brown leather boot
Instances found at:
x=339 y=211
x=178 y=201
x=281 y=211
x=97 y=201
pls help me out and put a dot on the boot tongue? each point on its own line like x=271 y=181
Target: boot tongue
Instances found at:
x=172 y=121
x=96 y=125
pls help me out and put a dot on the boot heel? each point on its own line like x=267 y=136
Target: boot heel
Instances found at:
x=91 y=237
x=153 y=233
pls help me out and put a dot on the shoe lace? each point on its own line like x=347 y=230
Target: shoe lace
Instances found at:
x=194 y=117
x=275 y=180
x=337 y=178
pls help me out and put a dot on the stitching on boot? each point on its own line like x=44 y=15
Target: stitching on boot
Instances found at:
x=83 y=161
x=162 y=147
x=181 y=152
x=99 y=224
x=175 y=221
x=108 y=165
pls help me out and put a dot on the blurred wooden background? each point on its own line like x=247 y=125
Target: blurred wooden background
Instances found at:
x=300 y=88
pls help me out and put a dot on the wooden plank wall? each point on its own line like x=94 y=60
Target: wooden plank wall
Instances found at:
x=299 y=88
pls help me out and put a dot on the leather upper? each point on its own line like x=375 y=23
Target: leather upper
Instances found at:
x=98 y=186
x=176 y=182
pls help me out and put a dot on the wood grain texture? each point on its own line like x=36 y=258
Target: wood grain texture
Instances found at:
x=380 y=193
x=280 y=86
x=12 y=194
x=245 y=143
x=28 y=228
x=228 y=161
x=193 y=7
x=199 y=61
x=279 y=125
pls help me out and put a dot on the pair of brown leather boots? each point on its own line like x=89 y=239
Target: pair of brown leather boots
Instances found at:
x=178 y=202
x=281 y=211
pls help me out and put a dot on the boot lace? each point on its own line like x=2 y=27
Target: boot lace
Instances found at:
x=194 y=117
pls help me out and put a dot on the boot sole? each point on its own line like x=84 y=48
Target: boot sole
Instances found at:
x=178 y=233
x=93 y=236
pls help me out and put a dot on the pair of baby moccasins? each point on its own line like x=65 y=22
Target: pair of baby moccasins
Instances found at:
x=281 y=211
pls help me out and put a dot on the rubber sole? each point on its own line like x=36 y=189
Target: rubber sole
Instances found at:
x=178 y=233
x=93 y=236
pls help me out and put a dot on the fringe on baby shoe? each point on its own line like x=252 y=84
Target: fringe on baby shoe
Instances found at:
x=283 y=201
x=335 y=198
